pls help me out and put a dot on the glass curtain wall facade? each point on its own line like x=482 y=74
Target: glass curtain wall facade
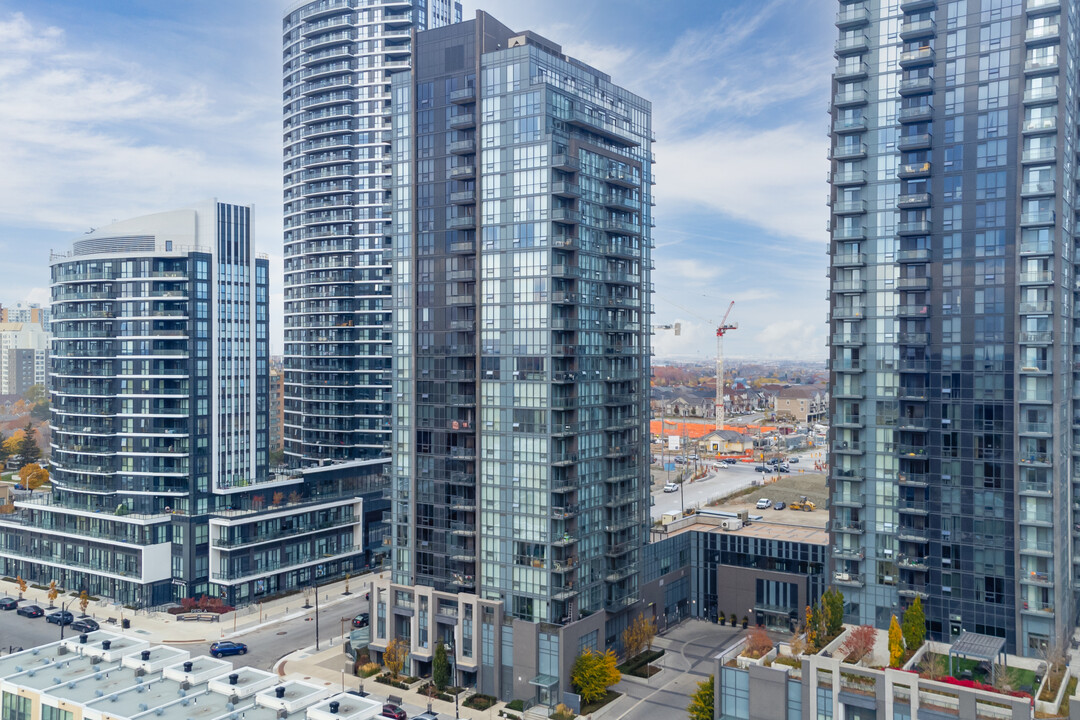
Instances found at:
x=522 y=259
x=337 y=61
x=159 y=400
x=951 y=303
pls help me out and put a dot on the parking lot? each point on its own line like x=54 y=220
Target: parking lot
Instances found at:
x=17 y=631
x=717 y=484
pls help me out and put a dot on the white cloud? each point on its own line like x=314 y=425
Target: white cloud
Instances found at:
x=774 y=179
x=39 y=295
x=87 y=137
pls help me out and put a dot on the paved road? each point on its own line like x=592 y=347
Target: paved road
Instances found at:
x=265 y=645
x=269 y=644
x=716 y=484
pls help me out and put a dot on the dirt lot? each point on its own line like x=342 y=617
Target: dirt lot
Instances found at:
x=789 y=488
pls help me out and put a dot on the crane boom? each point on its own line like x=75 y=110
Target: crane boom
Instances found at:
x=721 y=329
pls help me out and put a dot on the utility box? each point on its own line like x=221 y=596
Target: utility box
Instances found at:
x=668 y=518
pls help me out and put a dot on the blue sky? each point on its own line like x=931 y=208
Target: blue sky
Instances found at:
x=116 y=108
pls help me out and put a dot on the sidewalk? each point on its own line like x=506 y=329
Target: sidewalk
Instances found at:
x=327 y=665
x=163 y=627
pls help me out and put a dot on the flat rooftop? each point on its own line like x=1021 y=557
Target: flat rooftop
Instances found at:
x=29 y=659
x=765 y=528
x=69 y=669
x=136 y=700
x=92 y=687
x=205 y=705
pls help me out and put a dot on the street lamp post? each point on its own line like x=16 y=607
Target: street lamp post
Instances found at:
x=453 y=675
x=63 y=611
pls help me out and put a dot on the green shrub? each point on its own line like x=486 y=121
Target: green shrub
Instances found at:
x=518 y=705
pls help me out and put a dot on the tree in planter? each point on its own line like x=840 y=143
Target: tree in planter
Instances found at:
x=638 y=636
x=702 y=701
x=832 y=611
x=734 y=619
x=593 y=673
x=914 y=625
x=721 y=618
x=896 y=643
x=440 y=668
x=397 y=650
x=22 y=585
x=54 y=592
x=758 y=643
x=745 y=621
x=859 y=642
x=84 y=601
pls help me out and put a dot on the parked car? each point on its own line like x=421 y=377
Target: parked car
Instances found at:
x=390 y=710
x=763 y=504
x=60 y=617
x=780 y=505
x=30 y=611
x=763 y=468
x=225 y=647
x=85 y=625
x=360 y=621
x=8 y=603
x=671 y=487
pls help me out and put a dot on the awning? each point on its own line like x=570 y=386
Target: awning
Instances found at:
x=545 y=681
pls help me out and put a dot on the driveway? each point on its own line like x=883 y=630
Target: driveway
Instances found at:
x=688 y=660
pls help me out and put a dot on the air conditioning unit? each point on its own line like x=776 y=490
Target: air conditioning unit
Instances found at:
x=842 y=577
x=731 y=524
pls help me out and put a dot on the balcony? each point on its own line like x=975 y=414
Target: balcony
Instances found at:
x=849 y=125
x=910 y=6
x=916 y=58
x=848 y=71
x=854 y=527
x=914 y=480
x=462 y=121
x=849 y=286
x=852 y=17
x=848 y=579
x=852 y=151
x=913 y=170
x=851 y=177
x=916 y=86
x=851 y=98
x=912 y=590
x=462 y=147
x=566 y=216
x=919 y=141
x=847 y=553
x=915 y=29
x=849 y=260
x=1036 y=277
x=1043 y=64
x=852 y=45
x=1042 y=94
x=461 y=222
x=913 y=339
x=565 y=163
x=463 y=96
x=916 y=227
x=1039 y=154
x=1029 y=189
x=913 y=200
x=851 y=207
x=1042 y=33
x=845 y=447
x=462 y=172
x=565 y=189
x=1036 y=548
x=906 y=311
x=849 y=339
x=918 y=113
x=1040 y=217
x=852 y=232
x=463 y=197
x=912 y=563
x=1037 y=577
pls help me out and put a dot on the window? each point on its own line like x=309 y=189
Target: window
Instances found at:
x=15 y=707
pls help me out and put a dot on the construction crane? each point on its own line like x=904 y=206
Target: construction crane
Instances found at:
x=721 y=330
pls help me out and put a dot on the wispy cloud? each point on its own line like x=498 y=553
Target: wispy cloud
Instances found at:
x=91 y=137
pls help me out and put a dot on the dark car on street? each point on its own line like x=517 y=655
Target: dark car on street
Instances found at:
x=30 y=611
x=360 y=621
x=60 y=617
x=8 y=603
x=220 y=649
x=85 y=625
